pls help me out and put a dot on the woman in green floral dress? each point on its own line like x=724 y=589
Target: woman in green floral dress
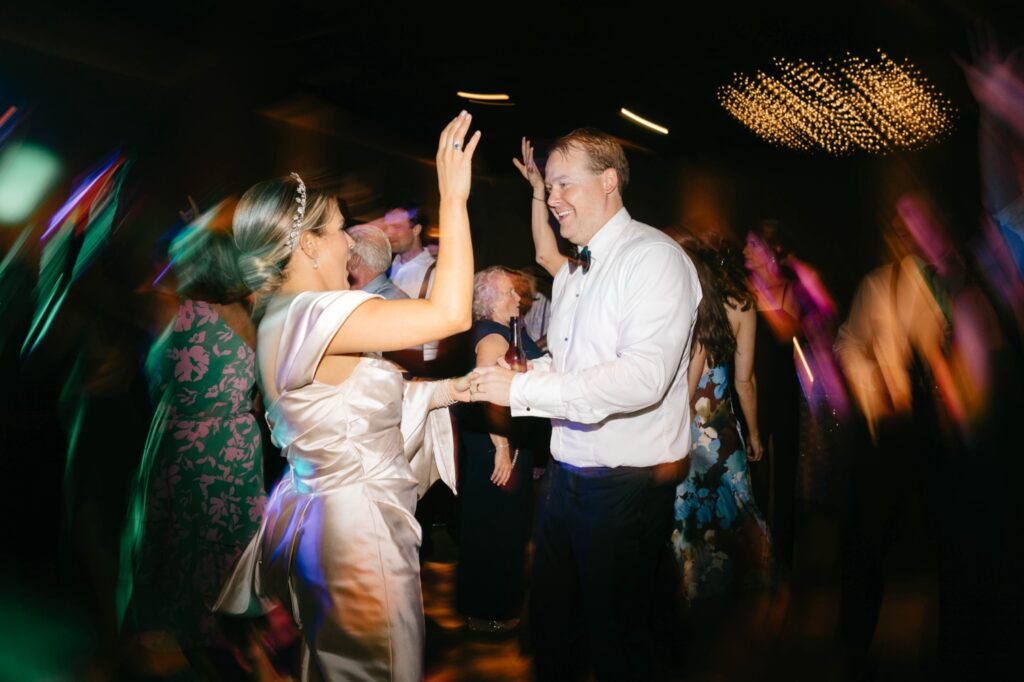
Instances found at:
x=205 y=493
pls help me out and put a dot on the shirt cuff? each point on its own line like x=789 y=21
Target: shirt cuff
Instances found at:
x=541 y=364
x=536 y=394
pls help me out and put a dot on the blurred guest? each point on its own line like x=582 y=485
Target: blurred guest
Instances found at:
x=431 y=246
x=720 y=536
x=206 y=492
x=891 y=314
x=927 y=365
x=778 y=323
x=535 y=308
x=526 y=287
x=497 y=485
x=368 y=265
x=997 y=83
x=992 y=589
x=369 y=262
x=412 y=270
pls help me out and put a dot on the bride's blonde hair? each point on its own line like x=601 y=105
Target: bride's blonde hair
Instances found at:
x=263 y=224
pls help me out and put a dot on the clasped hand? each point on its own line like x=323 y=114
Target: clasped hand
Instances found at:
x=492 y=384
x=485 y=385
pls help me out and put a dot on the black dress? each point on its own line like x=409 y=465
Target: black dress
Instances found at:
x=778 y=413
x=496 y=520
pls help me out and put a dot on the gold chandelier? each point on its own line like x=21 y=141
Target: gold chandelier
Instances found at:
x=840 y=106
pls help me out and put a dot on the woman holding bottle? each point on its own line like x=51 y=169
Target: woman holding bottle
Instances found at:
x=497 y=483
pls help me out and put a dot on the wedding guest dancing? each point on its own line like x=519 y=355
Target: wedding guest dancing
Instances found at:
x=720 y=536
x=205 y=490
x=615 y=388
x=778 y=409
x=339 y=541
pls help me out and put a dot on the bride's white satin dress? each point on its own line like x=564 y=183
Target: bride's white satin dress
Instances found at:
x=339 y=544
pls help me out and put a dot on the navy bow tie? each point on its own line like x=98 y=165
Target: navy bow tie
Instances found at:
x=581 y=259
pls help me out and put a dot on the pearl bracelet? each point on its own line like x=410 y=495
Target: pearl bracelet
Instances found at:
x=443 y=396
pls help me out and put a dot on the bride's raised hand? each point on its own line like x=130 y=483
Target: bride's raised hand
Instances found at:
x=528 y=168
x=455 y=158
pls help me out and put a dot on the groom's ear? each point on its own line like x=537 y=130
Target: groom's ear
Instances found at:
x=609 y=180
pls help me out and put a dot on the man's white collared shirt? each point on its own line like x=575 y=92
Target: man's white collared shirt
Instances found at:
x=409 y=278
x=616 y=386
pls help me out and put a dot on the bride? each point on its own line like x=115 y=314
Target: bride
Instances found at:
x=339 y=542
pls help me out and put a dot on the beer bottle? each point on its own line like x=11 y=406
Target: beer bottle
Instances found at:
x=515 y=356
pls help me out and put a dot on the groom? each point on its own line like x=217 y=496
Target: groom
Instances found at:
x=616 y=391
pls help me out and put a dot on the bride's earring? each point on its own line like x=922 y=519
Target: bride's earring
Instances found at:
x=316 y=262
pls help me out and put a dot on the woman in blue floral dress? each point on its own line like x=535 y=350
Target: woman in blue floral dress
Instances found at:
x=720 y=537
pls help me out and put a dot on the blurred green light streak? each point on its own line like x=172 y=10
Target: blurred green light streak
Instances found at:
x=45 y=314
x=133 y=533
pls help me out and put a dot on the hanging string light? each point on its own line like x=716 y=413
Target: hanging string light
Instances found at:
x=854 y=104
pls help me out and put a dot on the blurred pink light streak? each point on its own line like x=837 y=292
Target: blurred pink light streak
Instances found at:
x=996 y=86
x=7 y=115
x=64 y=210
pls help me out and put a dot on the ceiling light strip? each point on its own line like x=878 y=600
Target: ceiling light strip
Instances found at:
x=643 y=121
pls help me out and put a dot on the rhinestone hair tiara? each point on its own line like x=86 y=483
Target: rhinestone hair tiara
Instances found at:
x=300 y=212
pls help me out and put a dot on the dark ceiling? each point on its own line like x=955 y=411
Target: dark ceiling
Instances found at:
x=180 y=80
x=564 y=64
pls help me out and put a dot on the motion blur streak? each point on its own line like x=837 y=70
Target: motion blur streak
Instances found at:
x=27 y=172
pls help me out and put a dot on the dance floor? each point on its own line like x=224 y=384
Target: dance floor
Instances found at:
x=785 y=636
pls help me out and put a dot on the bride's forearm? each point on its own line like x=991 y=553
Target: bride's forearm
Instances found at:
x=452 y=293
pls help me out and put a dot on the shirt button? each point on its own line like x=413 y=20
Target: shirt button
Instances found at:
x=527 y=409
x=566 y=338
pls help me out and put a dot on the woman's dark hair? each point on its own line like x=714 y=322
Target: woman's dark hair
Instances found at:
x=722 y=279
x=731 y=274
x=771 y=233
